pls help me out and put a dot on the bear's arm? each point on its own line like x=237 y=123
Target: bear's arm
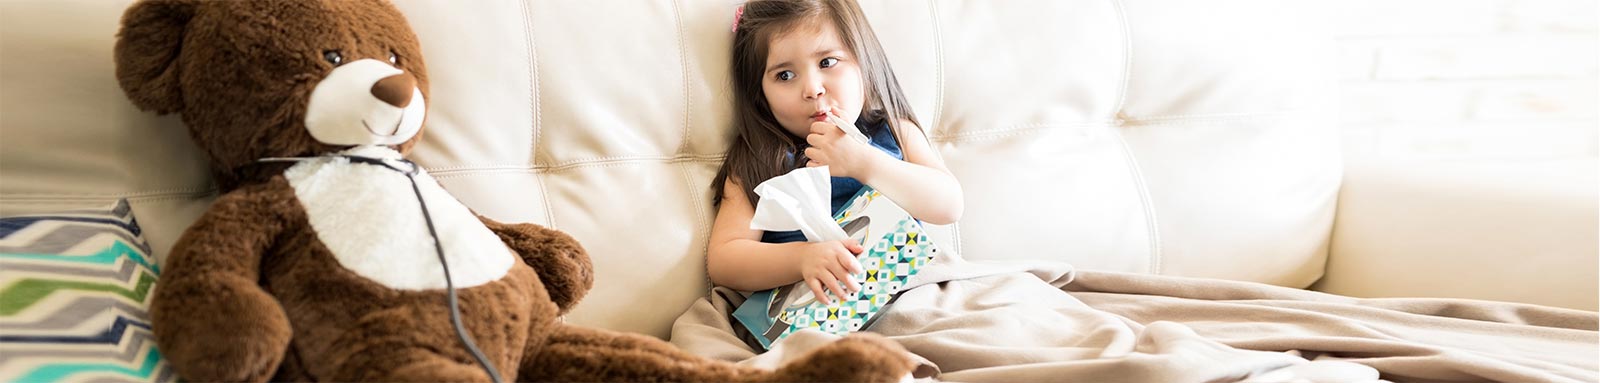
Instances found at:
x=562 y=264
x=211 y=317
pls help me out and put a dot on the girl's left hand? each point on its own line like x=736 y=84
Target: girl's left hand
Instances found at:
x=844 y=157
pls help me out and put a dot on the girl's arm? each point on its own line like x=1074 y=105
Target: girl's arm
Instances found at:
x=921 y=184
x=736 y=257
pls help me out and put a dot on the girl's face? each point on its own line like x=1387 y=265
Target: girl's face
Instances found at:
x=810 y=72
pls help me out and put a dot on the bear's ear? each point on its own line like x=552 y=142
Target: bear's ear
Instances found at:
x=147 y=52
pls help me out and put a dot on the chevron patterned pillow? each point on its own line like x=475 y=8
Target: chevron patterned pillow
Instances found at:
x=74 y=298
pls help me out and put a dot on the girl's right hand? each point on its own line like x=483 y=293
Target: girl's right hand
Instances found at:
x=828 y=266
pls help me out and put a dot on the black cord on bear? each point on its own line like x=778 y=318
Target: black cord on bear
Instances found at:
x=438 y=247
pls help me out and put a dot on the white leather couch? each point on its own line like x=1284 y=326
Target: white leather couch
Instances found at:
x=1179 y=137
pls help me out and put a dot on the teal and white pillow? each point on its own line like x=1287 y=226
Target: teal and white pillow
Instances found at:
x=75 y=293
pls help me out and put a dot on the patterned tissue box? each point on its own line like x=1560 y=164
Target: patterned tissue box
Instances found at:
x=895 y=248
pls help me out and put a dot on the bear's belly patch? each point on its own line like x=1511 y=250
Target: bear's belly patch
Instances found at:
x=370 y=219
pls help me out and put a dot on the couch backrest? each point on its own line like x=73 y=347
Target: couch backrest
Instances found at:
x=1164 y=136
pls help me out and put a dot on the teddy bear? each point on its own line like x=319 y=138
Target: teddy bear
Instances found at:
x=329 y=257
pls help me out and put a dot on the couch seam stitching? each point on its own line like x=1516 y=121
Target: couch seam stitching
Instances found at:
x=1144 y=198
x=993 y=134
x=544 y=169
x=538 y=113
x=1213 y=116
x=159 y=192
x=683 y=147
x=938 y=67
x=938 y=106
x=1127 y=57
x=1197 y=123
x=1157 y=121
x=581 y=163
x=683 y=65
x=39 y=198
x=1127 y=152
x=699 y=217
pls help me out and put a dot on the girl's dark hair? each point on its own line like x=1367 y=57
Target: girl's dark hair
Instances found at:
x=762 y=147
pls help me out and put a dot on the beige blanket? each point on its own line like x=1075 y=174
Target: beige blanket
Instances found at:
x=1047 y=323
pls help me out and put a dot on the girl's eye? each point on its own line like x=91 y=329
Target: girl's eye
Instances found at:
x=333 y=57
x=785 y=76
x=829 y=62
x=393 y=58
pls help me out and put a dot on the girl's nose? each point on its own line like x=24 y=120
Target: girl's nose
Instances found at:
x=814 y=90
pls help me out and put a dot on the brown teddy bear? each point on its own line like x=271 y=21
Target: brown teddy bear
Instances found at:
x=328 y=257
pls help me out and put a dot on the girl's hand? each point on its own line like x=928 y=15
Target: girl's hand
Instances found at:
x=844 y=157
x=828 y=265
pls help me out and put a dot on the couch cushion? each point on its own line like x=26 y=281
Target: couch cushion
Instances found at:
x=74 y=298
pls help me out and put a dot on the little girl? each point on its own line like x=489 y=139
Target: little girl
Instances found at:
x=795 y=63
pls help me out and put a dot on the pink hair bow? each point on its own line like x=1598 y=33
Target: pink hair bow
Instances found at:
x=737 y=14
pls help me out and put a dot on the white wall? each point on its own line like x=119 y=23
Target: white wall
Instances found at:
x=1470 y=79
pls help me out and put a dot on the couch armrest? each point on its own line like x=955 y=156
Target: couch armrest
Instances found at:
x=1509 y=231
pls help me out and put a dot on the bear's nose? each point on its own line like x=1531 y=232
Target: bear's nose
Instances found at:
x=395 y=90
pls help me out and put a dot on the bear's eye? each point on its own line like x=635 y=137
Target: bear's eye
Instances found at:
x=333 y=57
x=393 y=58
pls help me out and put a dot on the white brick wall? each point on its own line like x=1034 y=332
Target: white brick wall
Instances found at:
x=1501 y=79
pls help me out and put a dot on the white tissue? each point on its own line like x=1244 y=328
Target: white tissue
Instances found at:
x=801 y=200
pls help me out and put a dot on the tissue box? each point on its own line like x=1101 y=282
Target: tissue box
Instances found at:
x=895 y=248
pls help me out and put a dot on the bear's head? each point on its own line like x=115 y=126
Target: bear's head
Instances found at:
x=285 y=78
